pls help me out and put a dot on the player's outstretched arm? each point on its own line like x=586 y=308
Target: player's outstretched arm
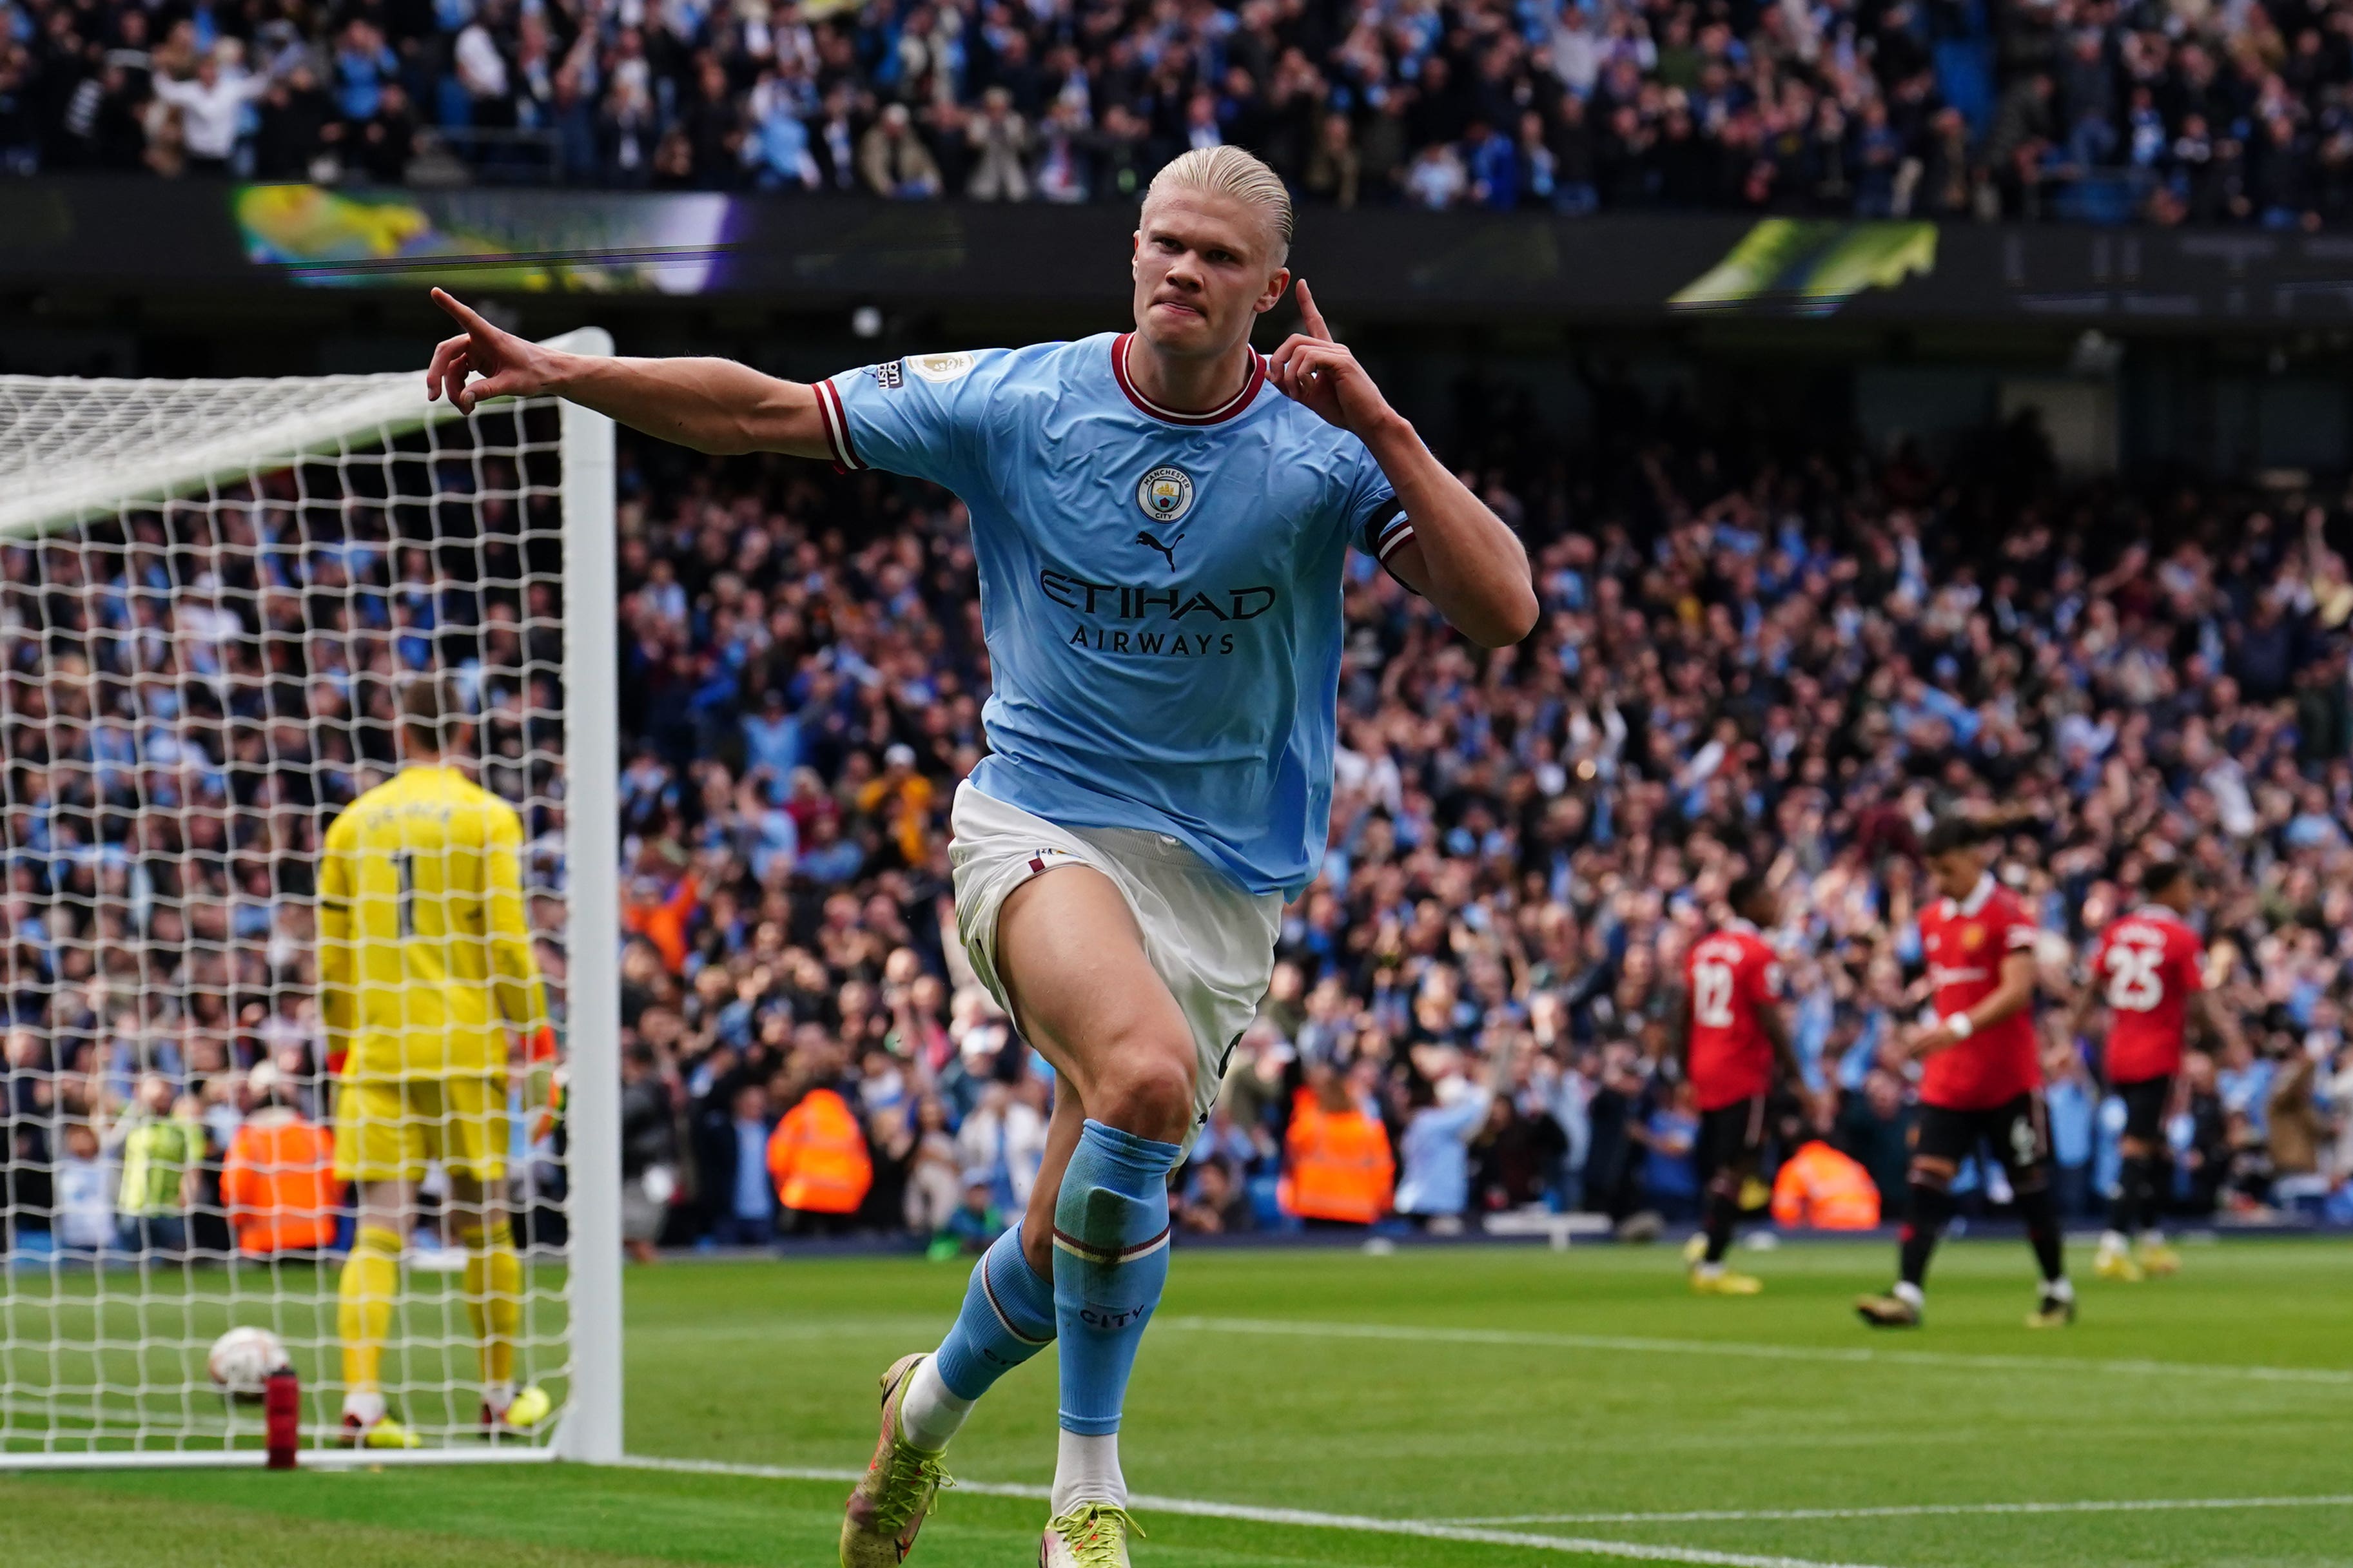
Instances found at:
x=711 y=405
x=1461 y=557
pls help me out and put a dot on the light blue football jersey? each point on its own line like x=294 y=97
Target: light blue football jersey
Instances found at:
x=1160 y=591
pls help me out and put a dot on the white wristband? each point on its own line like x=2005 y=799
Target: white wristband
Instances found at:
x=1958 y=1025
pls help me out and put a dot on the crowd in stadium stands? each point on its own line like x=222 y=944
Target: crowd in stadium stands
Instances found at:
x=2180 y=112
x=1745 y=662
x=1788 y=666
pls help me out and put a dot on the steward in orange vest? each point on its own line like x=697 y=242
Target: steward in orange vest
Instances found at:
x=1820 y=1187
x=818 y=1157
x=1341 y=1167
x=278 y=1181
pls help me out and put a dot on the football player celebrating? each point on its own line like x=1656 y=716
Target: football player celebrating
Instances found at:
x=1162 y=520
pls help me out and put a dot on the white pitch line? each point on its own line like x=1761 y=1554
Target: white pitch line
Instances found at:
x=1302 y=1518
x=1769 y=1515
x=1857 y=1355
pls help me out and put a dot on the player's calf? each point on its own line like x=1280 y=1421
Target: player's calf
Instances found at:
x=1111 y=1263
x=1007 y=1317
x=2127 y=1211
x=1719 y=1215
x=1930 y=1190
x=1905 y=1303
x=366 y=1291
x=2056 y=1306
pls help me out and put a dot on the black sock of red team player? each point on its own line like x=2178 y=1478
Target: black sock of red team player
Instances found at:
x=2042 y=1217
x=1932 y=1210
x=2127 y=1211
x=1723 y=1213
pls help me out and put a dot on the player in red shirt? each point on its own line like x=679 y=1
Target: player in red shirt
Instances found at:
x=1982 y=1081
x=1735 y=1046
x=2147 y=969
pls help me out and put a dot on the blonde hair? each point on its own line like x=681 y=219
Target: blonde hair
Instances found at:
x=1230 y=172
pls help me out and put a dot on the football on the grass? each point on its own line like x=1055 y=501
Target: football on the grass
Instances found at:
x=242 y=1360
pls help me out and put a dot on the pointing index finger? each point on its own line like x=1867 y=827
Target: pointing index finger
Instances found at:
x=464 y=314
x=1309 y=316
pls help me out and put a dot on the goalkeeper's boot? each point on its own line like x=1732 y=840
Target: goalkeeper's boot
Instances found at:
x=524 y=1412
x=1695 y=1249
x=1888 y=1311
x=2114 y=1263
x=2055 y=1311
x=383 y=1432
x=1719 y=1280
x=1091 y=1535
x=2157 y=1260
x=902 y=1483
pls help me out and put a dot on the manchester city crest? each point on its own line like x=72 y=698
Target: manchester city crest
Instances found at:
x=1166 y=493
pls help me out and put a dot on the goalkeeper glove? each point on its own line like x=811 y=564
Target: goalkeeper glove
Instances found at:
x=543 y=1090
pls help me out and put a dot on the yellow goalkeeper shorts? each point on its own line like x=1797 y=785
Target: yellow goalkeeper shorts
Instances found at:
x=386 y=1129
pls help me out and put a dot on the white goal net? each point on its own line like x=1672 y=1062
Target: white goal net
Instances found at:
x=215 y=598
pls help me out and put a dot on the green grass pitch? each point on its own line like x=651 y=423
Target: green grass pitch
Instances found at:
x=1490 y=1406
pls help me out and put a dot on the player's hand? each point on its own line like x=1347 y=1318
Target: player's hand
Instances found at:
x=544 y=1101
x=484 y=362
x=1314 y=369
x=1929 y=1041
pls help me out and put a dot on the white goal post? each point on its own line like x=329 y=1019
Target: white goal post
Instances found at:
x=212 y=594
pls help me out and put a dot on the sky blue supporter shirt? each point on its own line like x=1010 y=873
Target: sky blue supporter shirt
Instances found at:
x=1160 y=591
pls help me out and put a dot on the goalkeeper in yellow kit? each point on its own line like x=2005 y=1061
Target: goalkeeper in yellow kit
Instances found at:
x=425 y=970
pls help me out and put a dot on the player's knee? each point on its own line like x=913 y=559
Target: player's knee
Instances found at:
x=1145 y=1086
x=380 y=1205
x=1936 y=1175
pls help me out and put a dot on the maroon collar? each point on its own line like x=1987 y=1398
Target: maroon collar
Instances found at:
x=1218 y=416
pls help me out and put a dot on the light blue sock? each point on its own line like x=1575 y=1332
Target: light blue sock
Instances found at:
x=1007 y=1317
x=1110 y=1261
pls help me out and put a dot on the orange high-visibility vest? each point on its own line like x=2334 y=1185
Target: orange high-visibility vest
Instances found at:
x=1341 y=1167
x=1820 y=1187
x=818 y=1157
x=279 y=1186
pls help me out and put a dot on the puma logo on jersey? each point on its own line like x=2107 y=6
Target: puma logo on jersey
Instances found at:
x=1168 y=550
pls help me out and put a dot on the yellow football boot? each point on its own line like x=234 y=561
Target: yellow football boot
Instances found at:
x=1091 y=1535
x=2117 y=1265
x=1724 y=1282
x=898 y=1489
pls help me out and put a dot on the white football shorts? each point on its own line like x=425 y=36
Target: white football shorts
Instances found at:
x=1211 y=944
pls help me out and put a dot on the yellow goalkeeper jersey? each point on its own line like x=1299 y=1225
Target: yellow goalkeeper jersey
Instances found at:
x=425 y=958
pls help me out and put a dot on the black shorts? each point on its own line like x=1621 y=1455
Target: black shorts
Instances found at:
x=2145 y=1104
x=2018 y=1130
x=1732 y=1137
